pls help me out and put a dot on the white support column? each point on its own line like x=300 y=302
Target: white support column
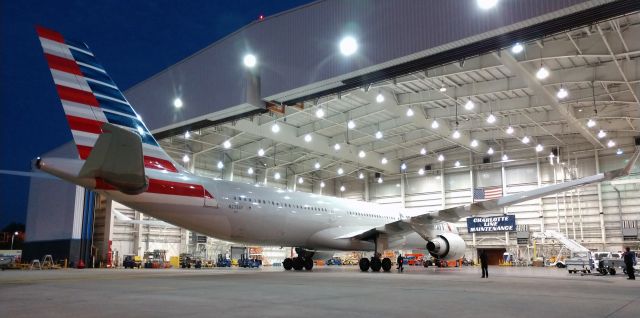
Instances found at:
x=472 y=186
x=366 y=195
x=540 y=202
x=503 y=176
x=317 y=189
x=227 y=171
x=603 y=232
x=291 y=182
x=403 y=197
x=442 y=190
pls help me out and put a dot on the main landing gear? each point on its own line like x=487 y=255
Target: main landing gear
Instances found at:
x=304 y=260
x=375 y=264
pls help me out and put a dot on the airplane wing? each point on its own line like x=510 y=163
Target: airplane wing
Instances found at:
x=423 y=223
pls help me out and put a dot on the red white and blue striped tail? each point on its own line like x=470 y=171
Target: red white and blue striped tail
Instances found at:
x=90 y=98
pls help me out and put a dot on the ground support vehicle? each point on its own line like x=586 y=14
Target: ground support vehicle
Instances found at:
x=609 y=265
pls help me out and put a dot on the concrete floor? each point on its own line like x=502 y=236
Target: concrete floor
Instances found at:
x=325 y=292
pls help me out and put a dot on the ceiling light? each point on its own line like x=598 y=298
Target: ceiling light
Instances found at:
x=250 y=170
x=320 y=113
x=539 y=148
x=360 y=175
x=187 y=135
x=440 y=158
x=409 y=112
x=336 y=147
x=378 y=134
x=275 y=128
x=348 y=45
x=542 y=73
x=379 y=98
x=474 y=143
x=342 y=188
x=185 y=158
x=525 y=140
x=490 y=151
x=220 y=165
x=619 y=152
x=351 y=124
x=177 y=103
x=434 y=124
x=491 y=119
x=602 y=134
x=505 y=157
x=591 y=123
x=421 y=171
x=384 y=161
x=260 y=152
x=276 y=175
x=308 y=138
x=380 y=180
x=361 y=154
x=486 y=4
x=317 y=165
x=510 y=130
x=300 y=180
x=562 y=93
x=443 y=89
x=517 y=48
x=322 y=184
x=403 y=166
x=249 y=60
x=457 y=164
x=456 y=134
x=226 y=144
x=469 y=105
x=423 y=151
x=611 y=143
x=340 y=170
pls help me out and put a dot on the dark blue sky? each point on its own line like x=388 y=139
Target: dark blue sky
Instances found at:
x=132 y=39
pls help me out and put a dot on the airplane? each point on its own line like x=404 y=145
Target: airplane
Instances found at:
x=119 y=158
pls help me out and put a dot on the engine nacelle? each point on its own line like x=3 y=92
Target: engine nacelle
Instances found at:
x=447 y=246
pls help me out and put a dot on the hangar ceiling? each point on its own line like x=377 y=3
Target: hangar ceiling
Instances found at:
x=596 y=65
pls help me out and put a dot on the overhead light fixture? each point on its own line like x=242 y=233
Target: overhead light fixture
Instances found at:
x=517 y=48
x=421 y=171
x=185 y=158
x=539 y=148
x=591 y=123
x=403 y=166
x=491 y=119
x=619 y=151
x=250 y=60
x=409 y=112
x=348 y=45
x=611 y=143
x=379 y=98
x=505 y=157
x=308 y=138
x=469 y=105
x=275 y=128
x=525 y=140
x=336 y=147
x=351 y=124
x=361 y=154
x=474 y=143
x=490 y=151
x=276 y=175
x=226 y=144
x=360 y=175
x=383 y=161
x=177 y=103
x=542 y=73
x=342 y=188
x=602 y=134
x=260 y=152
x=322 y=184
x=562 y=93
x=509 y=130
x=486 y=4
x=443 y=89
x=250 y=170
x=220 y=165
x=440 y=157
x=380 y=180
x=423 y=151
x=320 y=113
x=340 y=170
x=457 y=164
x=456 y=134
x=300 y=180
x=378 y=134
x=434 y=124
x=187 y=135
x=317 y=165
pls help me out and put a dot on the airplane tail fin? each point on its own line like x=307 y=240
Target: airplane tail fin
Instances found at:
x=90 y=99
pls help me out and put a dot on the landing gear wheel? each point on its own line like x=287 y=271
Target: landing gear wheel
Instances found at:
x=308 y=264
x=386 y=264
x=364 y=264
x=287 y=264
x=376 y=264
x=298 y=263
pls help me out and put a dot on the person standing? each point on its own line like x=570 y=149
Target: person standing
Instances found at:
x=484 y=262
x=400 y=263
x=629 y=261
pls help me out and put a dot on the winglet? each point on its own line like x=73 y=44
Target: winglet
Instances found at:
x=632 y=161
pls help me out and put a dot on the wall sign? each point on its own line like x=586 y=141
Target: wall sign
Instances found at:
x=503 y=223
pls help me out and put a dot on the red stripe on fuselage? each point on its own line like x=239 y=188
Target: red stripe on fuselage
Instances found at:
x=149 y=162
x=85 y=124
x=166 y=187
x=77 y=96
x=62 y=64
x=49 y=34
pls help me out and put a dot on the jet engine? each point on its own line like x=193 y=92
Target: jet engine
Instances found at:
x=447 y=246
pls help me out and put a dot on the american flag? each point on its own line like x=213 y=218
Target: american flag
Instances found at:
x=482 y=194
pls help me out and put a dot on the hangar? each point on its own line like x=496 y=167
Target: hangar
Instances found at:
x=400 y=104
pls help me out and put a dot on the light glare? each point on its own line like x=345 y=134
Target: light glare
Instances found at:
x=490 y=151
x=260 y=152
x=409 y=112
x=491 y=119
x=456 y=134
x=351 y=124
x=177 y=103
x=275 y=128
x=434 y=124
x=517 y=48
x=474 y=143
x=380 y=98
x=486 y=4
x=361 y=154
x=348 y=45
x=542 y=73
x=562 y=93
x=378 y=135
x=440 y=158
x=510 y=130
x=320 y=113
x=226 y=144
x=307 y=138
x=249 y=60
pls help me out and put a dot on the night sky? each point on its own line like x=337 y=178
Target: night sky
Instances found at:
x=132 y=39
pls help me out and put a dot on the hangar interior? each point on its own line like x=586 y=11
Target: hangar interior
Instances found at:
x=550 y=109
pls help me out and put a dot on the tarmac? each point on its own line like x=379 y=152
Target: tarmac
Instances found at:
x=327 y=291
